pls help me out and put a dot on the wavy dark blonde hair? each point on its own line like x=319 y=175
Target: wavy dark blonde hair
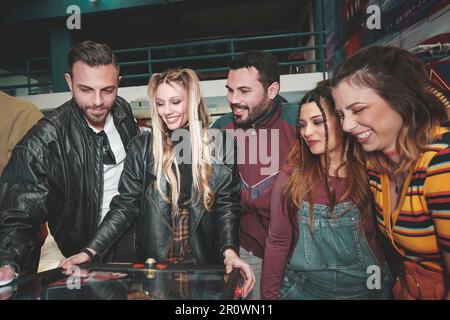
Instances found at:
x=308 y=172
x=201 y=149
x=400 y=78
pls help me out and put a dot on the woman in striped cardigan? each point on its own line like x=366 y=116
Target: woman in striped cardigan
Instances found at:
x=383 y=98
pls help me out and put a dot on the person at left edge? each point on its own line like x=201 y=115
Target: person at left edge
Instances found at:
x=66 y=169
x=17 y=117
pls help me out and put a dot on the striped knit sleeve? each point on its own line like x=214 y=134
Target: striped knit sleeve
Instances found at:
x=437 y=195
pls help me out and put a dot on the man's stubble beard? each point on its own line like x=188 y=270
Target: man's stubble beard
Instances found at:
x=253 y=114
x=92 y=119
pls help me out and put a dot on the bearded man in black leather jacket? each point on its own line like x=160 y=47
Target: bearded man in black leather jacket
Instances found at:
x=58 y=172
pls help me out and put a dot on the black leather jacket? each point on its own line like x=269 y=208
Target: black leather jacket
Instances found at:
x=55 y=175
x=139 y=200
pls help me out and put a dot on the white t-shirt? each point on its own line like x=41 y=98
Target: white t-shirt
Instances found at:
x=111 y=173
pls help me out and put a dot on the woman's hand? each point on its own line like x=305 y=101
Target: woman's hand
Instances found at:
x=232 y=260
x=76 y=259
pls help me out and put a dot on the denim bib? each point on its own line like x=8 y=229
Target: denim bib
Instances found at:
x=333 y=260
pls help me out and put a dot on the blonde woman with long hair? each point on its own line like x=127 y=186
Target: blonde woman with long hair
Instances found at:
x=185 y=204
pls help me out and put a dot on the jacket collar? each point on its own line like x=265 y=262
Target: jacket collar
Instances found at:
x=117 y=113
x=271 y=116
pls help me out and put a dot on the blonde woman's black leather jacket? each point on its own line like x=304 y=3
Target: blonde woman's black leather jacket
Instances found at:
x=139 y=201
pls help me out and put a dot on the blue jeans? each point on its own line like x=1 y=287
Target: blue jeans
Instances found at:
x=334 y=261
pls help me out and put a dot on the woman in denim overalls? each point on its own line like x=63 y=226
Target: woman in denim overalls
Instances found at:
x=322 y=242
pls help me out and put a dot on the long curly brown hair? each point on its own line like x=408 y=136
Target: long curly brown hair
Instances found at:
x=308 y=171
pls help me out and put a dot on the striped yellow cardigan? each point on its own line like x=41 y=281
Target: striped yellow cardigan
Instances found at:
x=419 y=228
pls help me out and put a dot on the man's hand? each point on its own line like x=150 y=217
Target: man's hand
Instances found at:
x=76 y=259
x=7 y=274
x=232 y=260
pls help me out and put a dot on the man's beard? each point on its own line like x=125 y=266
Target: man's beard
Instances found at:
x=95 y=120
x=253 y=113
x=92 y=119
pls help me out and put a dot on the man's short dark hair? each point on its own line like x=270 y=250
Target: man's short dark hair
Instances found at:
x=92 y=53
x=264 y=62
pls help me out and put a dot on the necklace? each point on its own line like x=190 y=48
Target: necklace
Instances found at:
x=398 y=181
x=397 y=189
x=391 y=153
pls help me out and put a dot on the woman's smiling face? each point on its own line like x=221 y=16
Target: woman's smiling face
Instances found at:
x=312 y=128
x=172 y=105
x=367 y=116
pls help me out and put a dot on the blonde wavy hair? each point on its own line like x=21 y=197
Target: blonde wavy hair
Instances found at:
x=201 y=152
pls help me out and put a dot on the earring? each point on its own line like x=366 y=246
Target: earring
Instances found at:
x=347 y=147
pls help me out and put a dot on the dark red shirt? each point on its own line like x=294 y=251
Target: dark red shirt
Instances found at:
x=260 y=145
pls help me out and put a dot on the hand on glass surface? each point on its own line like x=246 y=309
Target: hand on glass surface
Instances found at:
x=75 y=260
x=232 y=260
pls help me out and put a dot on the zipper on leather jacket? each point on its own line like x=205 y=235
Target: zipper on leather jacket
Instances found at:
x=196 y=225
x=160 y=213
x=98 y=213
x=168 y=247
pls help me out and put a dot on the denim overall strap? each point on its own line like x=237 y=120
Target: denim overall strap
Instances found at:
x=332 y=261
